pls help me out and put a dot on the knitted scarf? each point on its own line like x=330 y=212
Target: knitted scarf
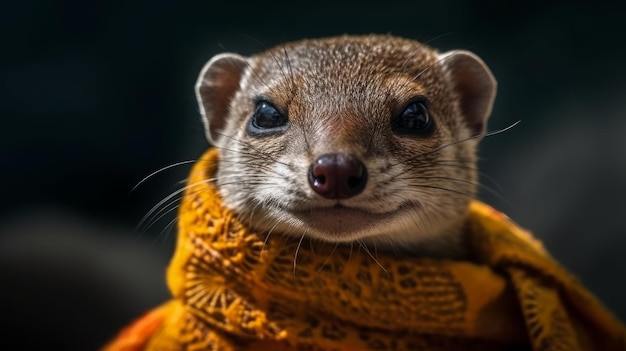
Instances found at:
x=235 y=289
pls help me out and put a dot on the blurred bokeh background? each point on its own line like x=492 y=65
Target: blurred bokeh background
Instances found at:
x=96 y=95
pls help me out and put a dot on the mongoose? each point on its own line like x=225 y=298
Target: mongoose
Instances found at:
x=337 y=211
x=368 y=139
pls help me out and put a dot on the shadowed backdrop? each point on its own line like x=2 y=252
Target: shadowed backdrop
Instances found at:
x=97 y=95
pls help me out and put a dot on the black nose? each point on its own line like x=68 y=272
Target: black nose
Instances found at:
x=337 y=176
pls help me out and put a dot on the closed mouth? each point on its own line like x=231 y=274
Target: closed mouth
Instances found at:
x=341 y=223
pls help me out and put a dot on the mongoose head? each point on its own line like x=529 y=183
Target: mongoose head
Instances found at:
x=348 y=139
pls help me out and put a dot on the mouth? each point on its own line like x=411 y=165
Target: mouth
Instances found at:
x=340 y=223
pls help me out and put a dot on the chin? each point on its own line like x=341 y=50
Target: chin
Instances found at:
x=347 y=225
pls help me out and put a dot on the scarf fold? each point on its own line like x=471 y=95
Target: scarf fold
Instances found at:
x=234 y=289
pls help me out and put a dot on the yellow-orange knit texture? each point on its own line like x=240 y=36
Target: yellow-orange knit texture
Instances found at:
x=234 y=289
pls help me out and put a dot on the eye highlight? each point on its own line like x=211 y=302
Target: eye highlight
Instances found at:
x=266 y=120
x=414 y=120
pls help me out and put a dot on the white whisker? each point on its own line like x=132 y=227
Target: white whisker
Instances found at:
x=159 y=171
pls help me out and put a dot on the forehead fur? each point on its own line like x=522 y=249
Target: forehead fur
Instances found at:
x=352 y=66
x=377 y=53
x=367 y=76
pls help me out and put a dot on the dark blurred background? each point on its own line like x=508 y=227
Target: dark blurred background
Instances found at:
x=96 y=95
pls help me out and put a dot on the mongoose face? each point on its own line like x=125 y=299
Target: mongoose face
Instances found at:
x=348 y=139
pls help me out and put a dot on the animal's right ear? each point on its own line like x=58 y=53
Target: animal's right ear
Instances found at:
x=215 y=88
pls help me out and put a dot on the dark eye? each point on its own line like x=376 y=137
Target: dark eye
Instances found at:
x=266 y=120
x=413 y=120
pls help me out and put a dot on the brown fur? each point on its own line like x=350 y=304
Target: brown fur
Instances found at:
x=340 y=95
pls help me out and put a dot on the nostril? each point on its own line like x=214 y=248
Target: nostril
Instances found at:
x=356 y=177
x=355 y=181
x=321 y=175
x=337 y=176
x=319 y=180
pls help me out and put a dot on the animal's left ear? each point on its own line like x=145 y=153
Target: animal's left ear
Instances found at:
x=474 y=85
x=215 y=88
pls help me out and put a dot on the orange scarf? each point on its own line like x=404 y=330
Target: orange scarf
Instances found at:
x=234 y=290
